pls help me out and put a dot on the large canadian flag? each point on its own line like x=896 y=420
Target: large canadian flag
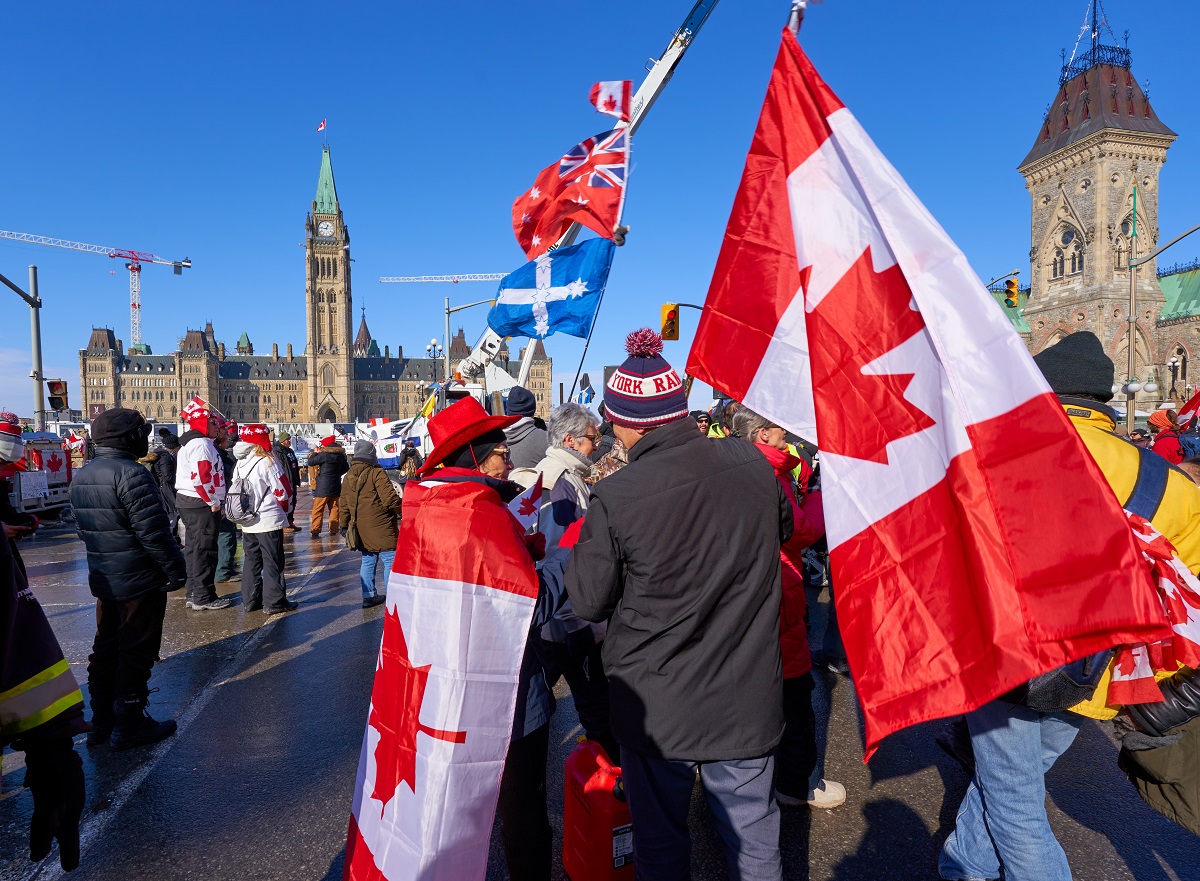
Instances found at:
x=973 y=541
x=445 y=688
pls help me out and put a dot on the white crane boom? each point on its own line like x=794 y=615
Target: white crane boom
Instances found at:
x=135 y=258
x=452 y=279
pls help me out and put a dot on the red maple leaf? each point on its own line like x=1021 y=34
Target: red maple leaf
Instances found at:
x=610 y=103
x=865 y=315
x=395 y=713
x=54 y=462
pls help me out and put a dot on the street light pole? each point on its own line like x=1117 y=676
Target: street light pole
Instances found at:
x=35 y=327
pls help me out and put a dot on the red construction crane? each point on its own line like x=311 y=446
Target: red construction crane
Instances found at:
x=135 y=258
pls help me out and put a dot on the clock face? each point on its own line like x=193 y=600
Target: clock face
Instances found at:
x=325 y=228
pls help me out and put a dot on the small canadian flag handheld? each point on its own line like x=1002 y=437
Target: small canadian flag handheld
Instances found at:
x=321 y=127
x=613 y=97
x=525 y=507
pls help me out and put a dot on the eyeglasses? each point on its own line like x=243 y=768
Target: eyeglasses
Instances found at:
x=502 y=451
x=592 y=437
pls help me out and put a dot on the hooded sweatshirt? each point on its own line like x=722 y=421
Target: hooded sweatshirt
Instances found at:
x=260 y=477
x=199 y=471
x=526 y=442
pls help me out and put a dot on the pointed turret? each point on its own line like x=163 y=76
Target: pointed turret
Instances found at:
x=326 y=201
x=362 y=342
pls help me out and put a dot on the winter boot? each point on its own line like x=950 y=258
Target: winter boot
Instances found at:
x=135 y=727
x=103 y=718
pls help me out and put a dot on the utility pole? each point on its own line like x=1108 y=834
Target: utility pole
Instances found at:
x=35 y=326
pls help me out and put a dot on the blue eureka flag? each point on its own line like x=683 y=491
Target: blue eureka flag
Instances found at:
x=557 y=291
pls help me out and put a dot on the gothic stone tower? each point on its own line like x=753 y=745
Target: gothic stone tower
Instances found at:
x=330 y=345
x=1100 y=138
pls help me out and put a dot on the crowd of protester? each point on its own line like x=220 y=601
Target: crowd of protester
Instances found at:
x=678 y=612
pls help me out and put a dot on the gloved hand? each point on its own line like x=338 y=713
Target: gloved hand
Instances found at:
x=1180 y=704
x=54 y=774
x=536 y=544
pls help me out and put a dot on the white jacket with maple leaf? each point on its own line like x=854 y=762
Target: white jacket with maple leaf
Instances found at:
x=260 y=477
x=199 y=472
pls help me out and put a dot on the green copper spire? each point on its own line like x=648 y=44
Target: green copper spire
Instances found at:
x=327 y=201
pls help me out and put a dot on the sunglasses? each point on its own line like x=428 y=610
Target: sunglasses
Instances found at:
x=502 y=451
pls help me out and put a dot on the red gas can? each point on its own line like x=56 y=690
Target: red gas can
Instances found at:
x=597 y=831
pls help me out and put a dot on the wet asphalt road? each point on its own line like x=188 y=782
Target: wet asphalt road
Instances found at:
x=257 y=783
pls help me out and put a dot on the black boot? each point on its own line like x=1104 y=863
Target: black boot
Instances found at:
x=103 y=719
x=135 y=727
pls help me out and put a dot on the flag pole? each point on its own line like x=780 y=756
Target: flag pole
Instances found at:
x=588 y=341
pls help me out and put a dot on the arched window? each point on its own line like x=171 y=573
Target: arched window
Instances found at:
x=335 y=267
x=327 y=375
x=1077 y=258
x=1058 y=264
x=320 y=296
x=332 y=296
x=1120 y=255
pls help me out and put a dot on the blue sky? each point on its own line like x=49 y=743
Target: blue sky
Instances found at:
x=188 y=130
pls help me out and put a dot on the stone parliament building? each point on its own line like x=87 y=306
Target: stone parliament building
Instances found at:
x=338 y=378
x=1100 y=139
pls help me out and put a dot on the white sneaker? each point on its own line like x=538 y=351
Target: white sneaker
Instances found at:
x=827 y=795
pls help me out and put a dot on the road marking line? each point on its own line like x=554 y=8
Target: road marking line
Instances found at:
x=93 y=828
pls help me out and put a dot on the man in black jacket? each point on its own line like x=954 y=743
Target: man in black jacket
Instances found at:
x=331 y=467
x=680 y=553
x=133 y=561
x=164 y=473
x=286 y=459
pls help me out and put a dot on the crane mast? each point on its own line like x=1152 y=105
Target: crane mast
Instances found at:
x=135 y=258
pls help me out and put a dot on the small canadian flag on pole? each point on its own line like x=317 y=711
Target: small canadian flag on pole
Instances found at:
x=321 y=127
x=613 y=97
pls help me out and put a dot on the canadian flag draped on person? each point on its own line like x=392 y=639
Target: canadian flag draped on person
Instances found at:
x=955 y=488
x=461 y=597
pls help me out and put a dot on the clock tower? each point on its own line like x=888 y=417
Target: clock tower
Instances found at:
x=329 y=310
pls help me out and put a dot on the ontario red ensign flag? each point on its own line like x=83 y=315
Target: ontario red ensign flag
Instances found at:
x=973 y=541
x=445 y=689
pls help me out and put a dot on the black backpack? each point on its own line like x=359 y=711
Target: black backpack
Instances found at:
x=1076 y=682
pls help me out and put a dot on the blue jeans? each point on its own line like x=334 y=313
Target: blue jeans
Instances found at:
x=366 y=572
x=1002 y=820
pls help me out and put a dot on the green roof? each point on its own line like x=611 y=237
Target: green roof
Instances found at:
x=1182 y=290
x=373 y=350
x=327 y=201
x=1015 y=315
x=244 y=339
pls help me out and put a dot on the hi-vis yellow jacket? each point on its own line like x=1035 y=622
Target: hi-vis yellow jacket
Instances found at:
x=38 y=692
x=1177 y=518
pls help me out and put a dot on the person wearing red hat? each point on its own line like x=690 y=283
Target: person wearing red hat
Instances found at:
x=331 y=467
x=199 y=492
x=469 y=469
x=257 y=474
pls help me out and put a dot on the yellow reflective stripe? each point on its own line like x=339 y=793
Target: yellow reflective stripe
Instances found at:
x=46 y=675
x=38 y=704
x=59 y=706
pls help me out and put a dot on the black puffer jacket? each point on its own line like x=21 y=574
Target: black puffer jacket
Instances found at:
x=164 y=473
x=333 y=465
x=681 y=548
x=121 y=518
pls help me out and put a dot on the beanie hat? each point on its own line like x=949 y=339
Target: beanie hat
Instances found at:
x=169 y=440
x=521 y=402
x=196 y=414
x=1077 y=366
x=645 y=391
x=364 y=451
x=12 y=447
x=256 y=433
x=116 y=423
x=1164 y=420
x=329 y=441
x=282 y=436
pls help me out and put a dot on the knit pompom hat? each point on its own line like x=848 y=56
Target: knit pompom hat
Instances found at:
x=645 y=391
x=256 y=433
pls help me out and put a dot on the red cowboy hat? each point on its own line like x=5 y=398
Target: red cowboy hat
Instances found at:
x=457 y=425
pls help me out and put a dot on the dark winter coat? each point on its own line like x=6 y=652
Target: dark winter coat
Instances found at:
x=123 y=524
x=290 y=466
x=370 y=499
x=164 y=473
x=682 y=549
x=331 y=462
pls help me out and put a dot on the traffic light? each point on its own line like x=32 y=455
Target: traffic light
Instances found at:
x=670 y=321
x=56 y=390
x=1010 y=293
